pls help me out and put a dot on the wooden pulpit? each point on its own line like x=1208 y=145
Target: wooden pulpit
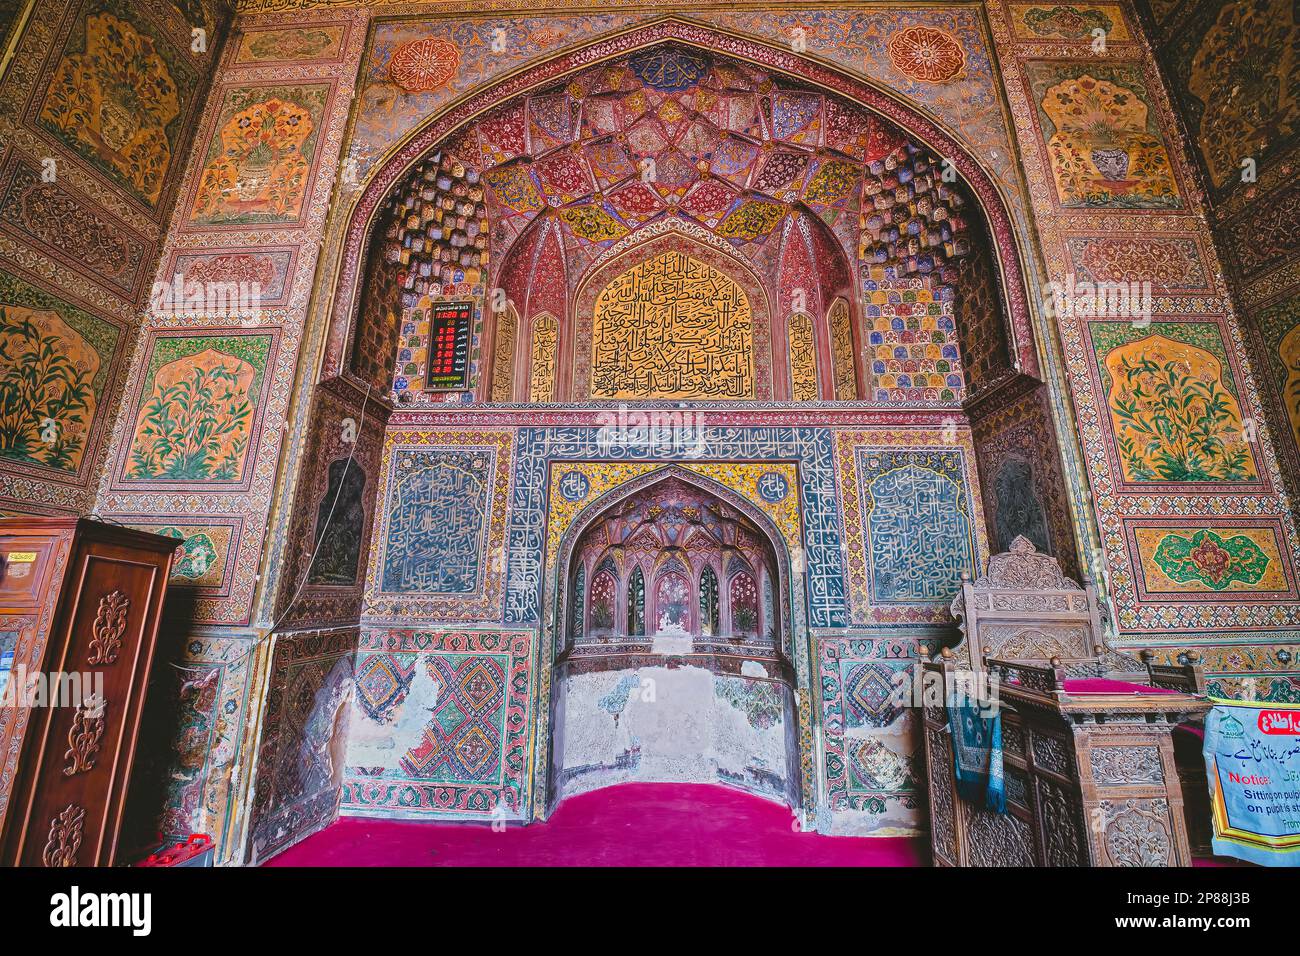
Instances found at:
x=1088 y=758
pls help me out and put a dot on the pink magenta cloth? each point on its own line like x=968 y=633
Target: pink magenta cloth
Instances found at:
x=1104 y=685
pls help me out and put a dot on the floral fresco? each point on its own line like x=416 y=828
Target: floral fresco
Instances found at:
x=1102 y=139
x=1208 y=558
x=200 y=559
x=196 y=419
x=295 y=43
x=54 y=362
x=1245 y=79
x=116 y=98
x=1239 y=557
x=259 y=164
x=1172 y=405
x=1068 y=22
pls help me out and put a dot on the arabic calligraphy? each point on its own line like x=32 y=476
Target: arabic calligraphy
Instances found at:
x=672 y=327
x=546 y=335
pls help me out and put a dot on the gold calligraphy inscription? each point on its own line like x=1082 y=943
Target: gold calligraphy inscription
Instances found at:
x=546 y=338
x=803 y=359
x=672 y=327
x=846 y=388
x=503 y=367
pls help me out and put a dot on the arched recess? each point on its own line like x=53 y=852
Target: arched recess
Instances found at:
x=343 y=297
x=503 y=359
x=916 y=122
x=788 y=602
x=596 y=672
x=844 y=351
x=812 y=272
x=802 y=349
x=543 y=357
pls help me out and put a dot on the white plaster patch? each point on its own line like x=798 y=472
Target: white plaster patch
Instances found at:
x=661 y=724
x=372 y=744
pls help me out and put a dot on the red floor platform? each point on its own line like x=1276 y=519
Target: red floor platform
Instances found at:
x=635 y=824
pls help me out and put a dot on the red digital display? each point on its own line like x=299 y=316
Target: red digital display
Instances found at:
x=450 y=324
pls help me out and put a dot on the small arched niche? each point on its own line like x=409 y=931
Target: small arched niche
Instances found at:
x=673 y=663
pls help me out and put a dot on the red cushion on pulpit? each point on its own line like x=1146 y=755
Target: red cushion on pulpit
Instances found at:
x=1104 y=685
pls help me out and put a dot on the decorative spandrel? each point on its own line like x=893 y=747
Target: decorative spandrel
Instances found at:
x=672 y=327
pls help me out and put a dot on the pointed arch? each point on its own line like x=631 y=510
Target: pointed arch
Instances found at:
x=545 y=347
x=745 y=314
x=577 y=607
x=503 y=360
x=636 y=603
x=567 y=553
x=803 y=359
x=710 y=619
x=918 y=123
x=843 y=351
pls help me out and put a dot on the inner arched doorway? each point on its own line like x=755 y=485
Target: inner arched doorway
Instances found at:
x=671 y=643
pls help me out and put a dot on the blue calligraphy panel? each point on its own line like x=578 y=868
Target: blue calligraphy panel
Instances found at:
x=917 y=522
x=437 y=520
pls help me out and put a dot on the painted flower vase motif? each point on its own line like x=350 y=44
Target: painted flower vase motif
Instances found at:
x=1112 y=164
x=254 y=174
x=118 y=123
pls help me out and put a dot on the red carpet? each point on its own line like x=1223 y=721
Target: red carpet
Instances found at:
x=635 y=824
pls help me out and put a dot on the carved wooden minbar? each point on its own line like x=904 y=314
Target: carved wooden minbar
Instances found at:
x=1086 y=732
x=76 y=597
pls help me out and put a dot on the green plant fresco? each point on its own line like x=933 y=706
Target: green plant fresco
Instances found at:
x=54 y=362
x=1178 y=421
x=1174 y=419
x=187 y=426
x=40 y=390
x=197 y=426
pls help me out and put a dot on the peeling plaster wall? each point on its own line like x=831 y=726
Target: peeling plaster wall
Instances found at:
x=675 y=724
x=890 y=757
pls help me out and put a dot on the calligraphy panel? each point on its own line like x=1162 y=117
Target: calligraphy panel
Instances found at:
x=912 y=521
x=846 y=388
x=437 y=519
x=503 y=366
x=546 y=337
x=919 y=534
x=803 y=359
x=672 y=327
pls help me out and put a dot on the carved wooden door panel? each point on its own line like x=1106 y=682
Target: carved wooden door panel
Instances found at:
x=70 y=789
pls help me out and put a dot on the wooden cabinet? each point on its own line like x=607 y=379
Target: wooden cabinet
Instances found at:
x=80 y=603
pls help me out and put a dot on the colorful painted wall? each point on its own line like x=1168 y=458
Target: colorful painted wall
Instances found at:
x=1070 y=147
x=458 y=651
x=213 y=411
x=98 y=100
x=1231 y=70
x=1241 y=114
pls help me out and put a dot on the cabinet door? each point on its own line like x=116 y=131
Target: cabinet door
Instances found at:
x=31 y=572
x=77 y=758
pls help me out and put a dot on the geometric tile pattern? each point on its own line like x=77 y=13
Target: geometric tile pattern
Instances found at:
x=472 y=758
x=383 y=681
x=870 y=698
x=462 y=742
